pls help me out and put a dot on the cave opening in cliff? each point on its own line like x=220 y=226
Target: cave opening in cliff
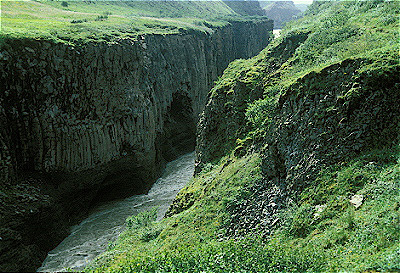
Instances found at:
x=120 y=184
x=179 y=136
x=126 y=178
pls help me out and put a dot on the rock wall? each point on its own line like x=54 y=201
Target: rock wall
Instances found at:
x=223 y=120
x=69 y=109
x=324 y=118
x=79 y=121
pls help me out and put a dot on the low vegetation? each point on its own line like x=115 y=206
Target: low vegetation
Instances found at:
x=183 y=239
x=346 y=219
x=338 y=237
x=85 y=21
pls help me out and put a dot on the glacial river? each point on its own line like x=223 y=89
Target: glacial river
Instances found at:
x=277 y=32
x=92 y=236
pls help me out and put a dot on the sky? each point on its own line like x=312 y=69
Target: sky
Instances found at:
x=302 y=1
x=297 y=1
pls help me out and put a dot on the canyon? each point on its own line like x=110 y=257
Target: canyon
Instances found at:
x=296 y=137
x=84 y=123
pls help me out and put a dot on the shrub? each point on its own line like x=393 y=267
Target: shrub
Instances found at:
x=260 y=112
x=143 y=219
x=150 y=234
x=300 y=221
x=78 y=21
x=101 y=17
x=64 y=4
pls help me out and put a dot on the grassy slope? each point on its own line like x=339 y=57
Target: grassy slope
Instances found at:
x=335 y=33
x=340 y=238
x=177 y=243
x=51 y=20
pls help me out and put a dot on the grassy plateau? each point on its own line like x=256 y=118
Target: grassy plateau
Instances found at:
x=84 y=21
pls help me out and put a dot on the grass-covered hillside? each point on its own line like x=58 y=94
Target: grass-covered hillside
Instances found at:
x=298 y=159
x=110 y=20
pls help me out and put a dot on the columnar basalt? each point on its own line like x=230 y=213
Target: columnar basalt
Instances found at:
x=80 y=121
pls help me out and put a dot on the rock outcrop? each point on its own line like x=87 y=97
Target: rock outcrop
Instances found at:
x=322 y=119
x=81 y=122
x=223 y=120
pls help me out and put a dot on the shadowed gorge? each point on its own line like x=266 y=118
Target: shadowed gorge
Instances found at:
x=83 y=121
x=179 y=128
x=297 y=158
x=97 y=232
x=296 y=137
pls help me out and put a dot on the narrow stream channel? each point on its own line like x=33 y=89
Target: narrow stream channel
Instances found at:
x=277 y=32
x=92 y=236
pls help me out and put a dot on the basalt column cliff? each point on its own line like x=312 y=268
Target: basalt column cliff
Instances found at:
x=84 y=122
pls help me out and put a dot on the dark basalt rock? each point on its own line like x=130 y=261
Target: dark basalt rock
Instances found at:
x=80 y=122
x=324 y=118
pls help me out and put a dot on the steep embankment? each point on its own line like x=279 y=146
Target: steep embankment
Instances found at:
x=81 y=122
x=297 y=158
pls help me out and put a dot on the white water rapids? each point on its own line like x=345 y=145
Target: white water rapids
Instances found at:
x=277 y=32
x=92 y=236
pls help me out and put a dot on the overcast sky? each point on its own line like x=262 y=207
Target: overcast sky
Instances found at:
x=302 y=1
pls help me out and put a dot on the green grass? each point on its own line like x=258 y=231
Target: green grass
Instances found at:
x=330 y=34
x=109 y=20
x=202 y=206
x=335 y=32
x=352 y=239
x=340 y=238
x=320 y=231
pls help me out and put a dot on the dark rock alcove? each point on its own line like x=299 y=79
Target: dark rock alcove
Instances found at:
x=179 y=135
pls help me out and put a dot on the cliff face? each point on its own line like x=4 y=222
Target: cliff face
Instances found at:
x=335 y=111
x=281 y=12
x=326 y=117
x=223 y=120
x=317 y=124
x=298 y=147
x=79 y=122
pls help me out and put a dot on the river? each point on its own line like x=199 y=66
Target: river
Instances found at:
x=277 y=32
x=92 y=236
